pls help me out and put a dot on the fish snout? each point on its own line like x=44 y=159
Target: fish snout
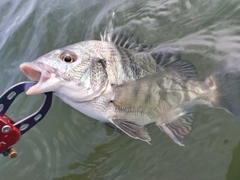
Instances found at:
x=37 y=70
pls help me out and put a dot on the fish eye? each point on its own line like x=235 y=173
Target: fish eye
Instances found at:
x=68 y=57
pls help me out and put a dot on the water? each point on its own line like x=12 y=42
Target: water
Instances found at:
x=68 y=145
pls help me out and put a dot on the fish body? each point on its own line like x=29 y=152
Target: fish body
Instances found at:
x=121 y=81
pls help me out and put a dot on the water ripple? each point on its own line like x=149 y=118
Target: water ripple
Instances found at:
x=69 y=145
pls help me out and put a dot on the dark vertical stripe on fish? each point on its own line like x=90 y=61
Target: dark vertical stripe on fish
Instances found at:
x=136 y=88
x=149 y=94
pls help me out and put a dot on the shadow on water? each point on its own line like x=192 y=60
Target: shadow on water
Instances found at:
x=90 y=165
x=233 y=172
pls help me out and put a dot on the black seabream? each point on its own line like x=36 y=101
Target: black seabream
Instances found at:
x=121 y=81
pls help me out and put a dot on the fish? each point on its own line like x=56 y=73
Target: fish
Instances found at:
x=124 y=82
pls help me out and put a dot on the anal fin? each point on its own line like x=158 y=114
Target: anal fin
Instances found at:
x=179 y=128
x=132 y=129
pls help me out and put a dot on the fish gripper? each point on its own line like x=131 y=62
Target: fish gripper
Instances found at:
x=11 y=131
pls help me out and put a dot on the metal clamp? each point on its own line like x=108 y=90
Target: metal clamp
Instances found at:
x=10 y=131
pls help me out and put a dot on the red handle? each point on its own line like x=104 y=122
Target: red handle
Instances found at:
x=9 y=134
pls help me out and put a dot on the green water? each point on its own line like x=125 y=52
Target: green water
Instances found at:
x=67 y=145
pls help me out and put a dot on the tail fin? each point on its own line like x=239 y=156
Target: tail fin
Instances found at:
x=226 y=91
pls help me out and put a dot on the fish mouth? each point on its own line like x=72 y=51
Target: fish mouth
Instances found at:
x=40 y=73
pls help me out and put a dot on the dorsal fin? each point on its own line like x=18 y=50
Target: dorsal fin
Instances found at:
x=107 y=34
x=170 y=58
x=167 y=58
x=121 y=38
x=124 y=39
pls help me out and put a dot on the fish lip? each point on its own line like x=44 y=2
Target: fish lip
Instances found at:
x=37 y=70
x=42 y=74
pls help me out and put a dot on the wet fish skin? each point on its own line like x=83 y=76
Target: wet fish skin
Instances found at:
x=123 y=82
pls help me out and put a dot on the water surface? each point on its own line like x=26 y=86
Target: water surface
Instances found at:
x=68 y=145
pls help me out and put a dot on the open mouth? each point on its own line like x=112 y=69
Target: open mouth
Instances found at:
x=31 y=70
x=38 y=72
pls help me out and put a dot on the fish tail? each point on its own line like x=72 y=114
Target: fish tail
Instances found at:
x=222 y=91
x=225 y=91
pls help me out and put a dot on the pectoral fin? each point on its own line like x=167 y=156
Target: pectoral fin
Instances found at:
x=132 y=129
x=179 y=128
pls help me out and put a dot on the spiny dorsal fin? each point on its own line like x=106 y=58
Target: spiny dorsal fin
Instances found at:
x=169 y=58
x=123 y=39
x=126 y=40
x=107 y=34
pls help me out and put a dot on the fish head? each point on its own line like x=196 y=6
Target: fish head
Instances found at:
x=72 y=73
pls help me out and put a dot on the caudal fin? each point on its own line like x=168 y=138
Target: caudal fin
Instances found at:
x=226 y=91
